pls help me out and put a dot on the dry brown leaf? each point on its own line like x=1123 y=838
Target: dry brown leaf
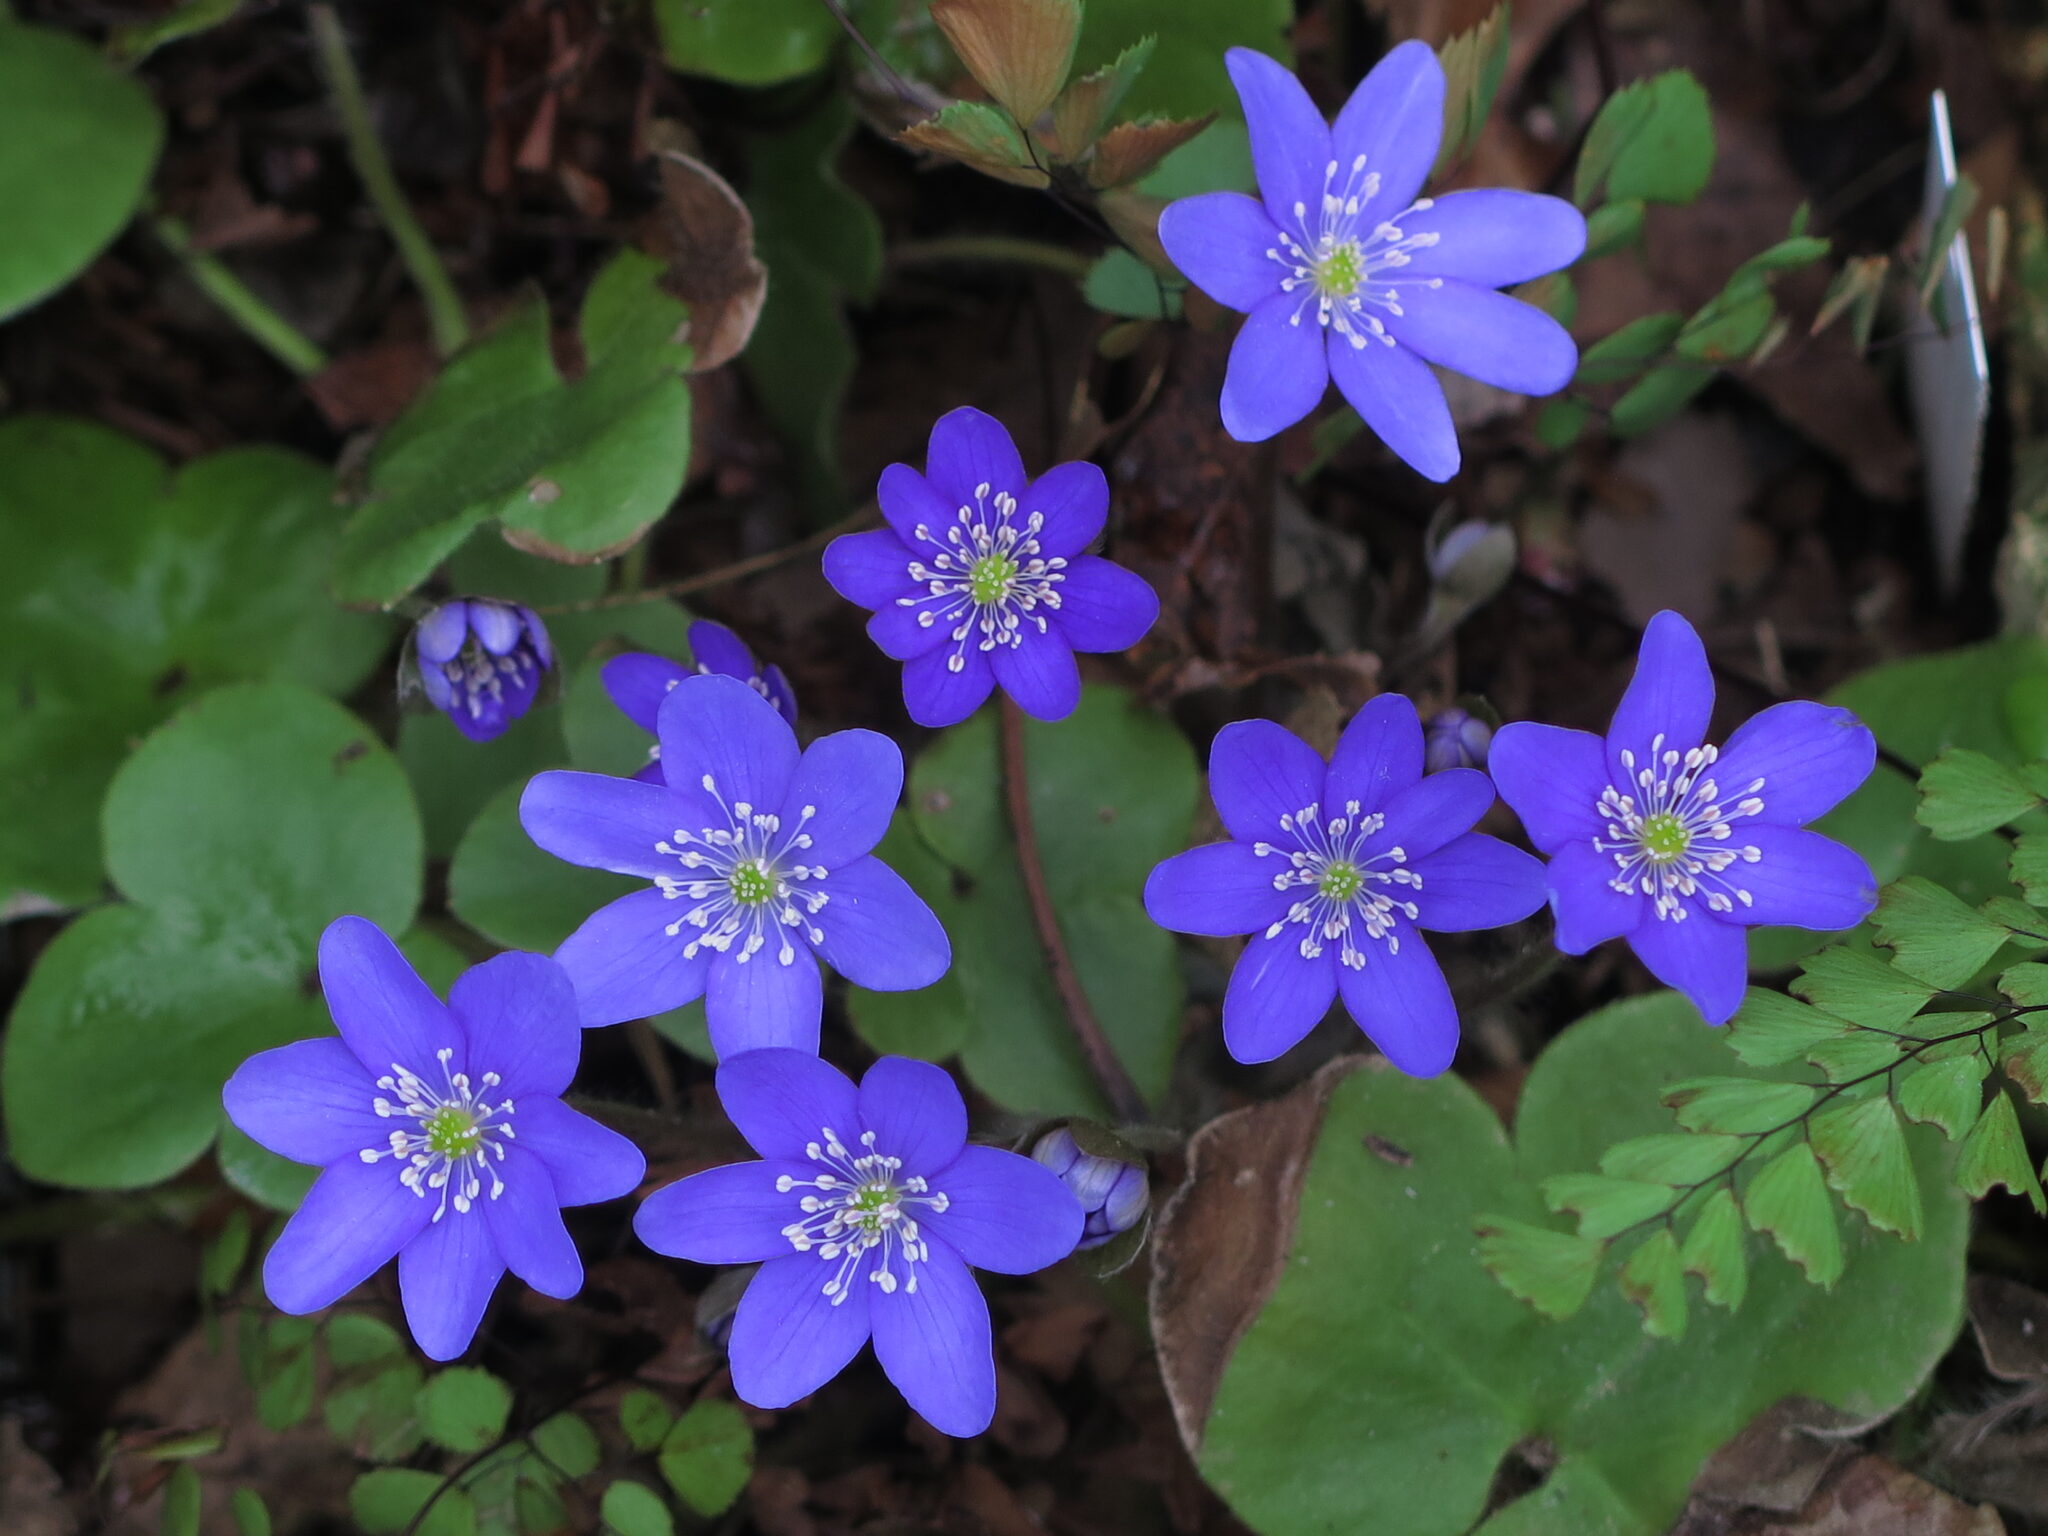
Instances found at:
x=705 y=234
x=1875 y=1497
x=1019 y=51
x=2011 y=1323
x=1129 y=150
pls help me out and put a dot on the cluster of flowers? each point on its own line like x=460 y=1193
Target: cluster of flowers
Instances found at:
x=441 y=1130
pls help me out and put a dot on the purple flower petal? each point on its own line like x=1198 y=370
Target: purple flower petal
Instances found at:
x=1219 y=889
x=518 y=1012
x=910 y=502
x=309 y=1101
x=764 y=1001
x=537 y=637
x=935 y=1344
x=440 y=692
x=780 y=694
x=382 y=1008
x=1487 y=336
x=1551 y=778
x=1588 y=909
x=1701 y=956
x=625 y=964
x=716 y=649
x=638 y=682
x=1494 y=237
x=496 y=626
x=601 y=822
x=718 y=728
x=353 y=1219
x=1039 y=672
x=1402 y=1002
x=1395 y=118
x=915 y=626
x=782 y=1101
x=851 y=780
x=649 y=773
x=938 y=696
x=970 y=449
x=1004 y=1212
x=871 y=569
x=879 y=933
x=1802 y=880
x=1290 y=140
x=729 y=1215
x=1277 y=371
x=1476 y=882
x=1401 y=400
x=1378 y=756
x=1276 y=996
x=1073 y=499
x=588 y=1162
x=1104 y=607
x=1425 y=816
x=788 y=1339
x=445 y=1279
x=915 y=1112
x=1258 y=773
x=1671 y=696
x=1810 y=757
x=441 y=633
x=1219 y=241
x=526 y=1227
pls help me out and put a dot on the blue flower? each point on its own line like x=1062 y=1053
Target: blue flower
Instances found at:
x=865 y=1213
x=1112 y=1192
x=980 y=579
x=1347 y=274
x=441 y=1135
x=1677 y=846
x=638 y=681
x=759 y=862
x=1334 y=870
x=1455 y=738
x=481 y=661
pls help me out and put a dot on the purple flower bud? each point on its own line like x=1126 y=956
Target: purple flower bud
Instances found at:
x=481 y=662
x=1455 y=738
x=1113 y=1193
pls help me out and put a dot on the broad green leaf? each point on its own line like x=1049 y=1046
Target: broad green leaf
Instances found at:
x=1087 y=105
x=259 y=1173
x=285 y=1395
x=645 y=1417
x=1855 y=1057
x=221 y=1260
x=1624 y=353
x=2026 y=984
x=1729 y=326
x=1560 y=422
x=1552 y=1271
x=1653 y=140
x=1713 y=1250
x=1613 y=227
x=1606 y=1206
x=1656 y=397
x=464 y=1409
x=513 y=893
x=1120 y=284
x=574 y=470
x=708 y=1455
x=748 y=42
x=1948 y=1093
x=634 y=1509
x=1773 y=1029
x=1474 y=62
x=181 y=1493
x=1185 y=75
x=389 y=1500
x=78 y=139
x=377 y=1414
x=2030 y=867
x=1740 y=1105
x=569 y=1445
x=1862 y=987
x=1788 y=1201
x=1937 y=936
x=1862 y=1147
x=1671 y=1158
x=1654 y=1280
x=1965 y=793
x=982 y=136
x=2026 y=1063
x=1996 y=1153
x=251 y=1515
x=357 y=1339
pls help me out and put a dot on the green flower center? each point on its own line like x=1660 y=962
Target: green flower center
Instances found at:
x=1340 y=880
x=1341 y=269
x=1664 y=838
x=869 y=1202
x=452 y=1131
x=750 y=882
x=990 y=578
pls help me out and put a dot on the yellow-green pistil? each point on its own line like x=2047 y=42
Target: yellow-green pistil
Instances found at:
x=990 y=578
x=452 y=1131
x=1341 y=880
x=1664 y=838
x=1340 y=270
x=751 y=884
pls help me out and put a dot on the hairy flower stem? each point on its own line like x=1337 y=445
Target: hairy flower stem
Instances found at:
x=444 y=306
x=1116 y=1084
x=263 y=325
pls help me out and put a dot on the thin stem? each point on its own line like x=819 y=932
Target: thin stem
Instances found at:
x=993 y=248
x=1117 y=1088
x=444 y=306
x=723 y=575
x=264 y=325
x=881 y=66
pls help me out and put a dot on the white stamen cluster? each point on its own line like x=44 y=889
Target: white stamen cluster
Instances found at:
x=746 y=885
x=1342 y=881
x=455 y=1138
x=862 y=1204
x=479 y=677
x=1661 y=831
x=989 y=577
x=1338 y=262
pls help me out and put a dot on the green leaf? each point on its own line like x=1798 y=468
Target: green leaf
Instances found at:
x=748 y=42
x=1624 y=353
x=984 y=137
x=377 y=1416
x=1948 y=1093
x=1120 y=284
x=464 y=1409
x=1773 y=1029
x=356 y=1339
x=1996 y=1153
x=1613 y=227
x=569 y=1445
x=251 y=1515
x=634 y=1509
x=1862 y=1147
x=2026 y=1063
x=645 y=1418
x=1857 y=985
x=1086 y=106
x=390 y=1500
x=1964 y=793
x=1654 y=1279
x=78 y=139
x=285 y=1396
x=1792 y=254
x=1741 y=1105
x=258 y=1172
x=708 y=1456
x=1653 y=140
x=1552 y=1271
x=1855 y=1056
x=514 y=894
x=1937 y=936
x=1473 y=62
x=1670 y=1158
x=1560 y=422
x=1729 y=326
x=1657 y=397
x=574 y=471
x=181 y=1492
x=1604 y=1205
x=1788 y=1201
x=1185 y=76
x=2030 y=867
x=221 y=1260
x=1713 y=1251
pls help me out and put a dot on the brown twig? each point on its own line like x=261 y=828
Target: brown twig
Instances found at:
x=723 y=575
x=1116 y=1084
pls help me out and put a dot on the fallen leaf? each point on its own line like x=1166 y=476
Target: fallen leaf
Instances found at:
x=705 y=234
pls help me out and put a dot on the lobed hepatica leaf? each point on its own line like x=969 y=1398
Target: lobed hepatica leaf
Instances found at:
x=238 y=830
x=78 y=139
x=1387 y=1375
x=1113 y=790
x=124 y=589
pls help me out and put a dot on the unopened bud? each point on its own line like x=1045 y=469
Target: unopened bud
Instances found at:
x=1114 y=1193
x=1455 y=738
x=481 y=662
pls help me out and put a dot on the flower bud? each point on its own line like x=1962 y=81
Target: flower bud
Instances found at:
x=481 y=662
x=1114 y=1193
x=1455 y=738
